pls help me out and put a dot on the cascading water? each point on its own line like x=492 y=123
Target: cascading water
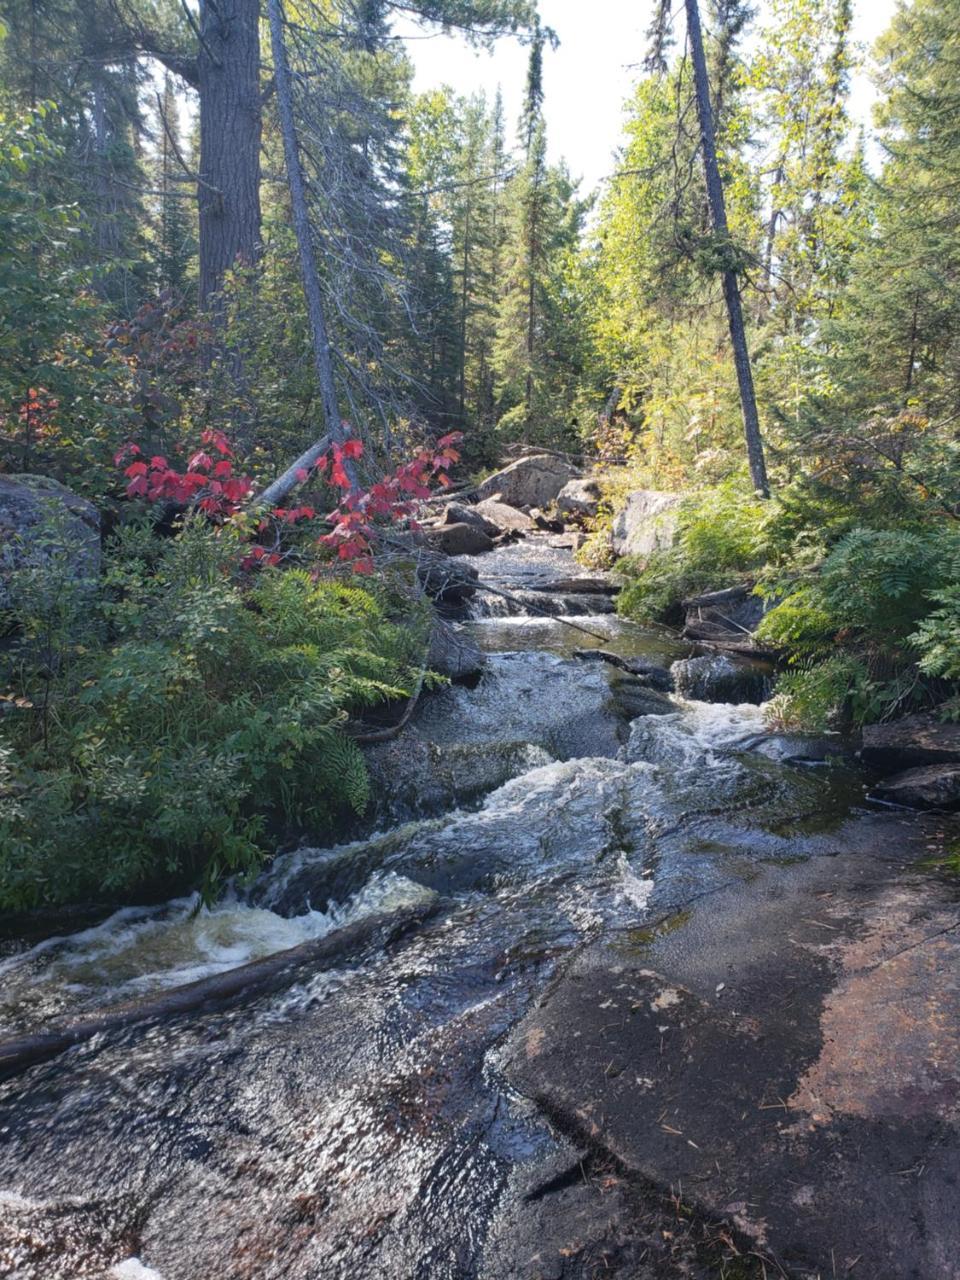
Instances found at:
x=356 y=1124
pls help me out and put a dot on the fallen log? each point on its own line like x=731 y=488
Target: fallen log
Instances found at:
x=258 y=977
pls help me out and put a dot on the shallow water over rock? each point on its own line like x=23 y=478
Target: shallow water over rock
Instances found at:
x=357 y=1124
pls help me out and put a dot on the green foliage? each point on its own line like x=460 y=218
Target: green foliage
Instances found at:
x=721 y=539
x=875 y=586
x=826 y=695
x=937 y=638
x=155 y=728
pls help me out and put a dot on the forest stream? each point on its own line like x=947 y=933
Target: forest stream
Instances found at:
x=362 y=1121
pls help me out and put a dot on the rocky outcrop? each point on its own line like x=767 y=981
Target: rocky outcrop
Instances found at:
x=647 y=523
x=42 y=521
x=533 y=481
x=912 y=742
x=459 y=539
x=579 y=499
x=463 y=513
x=634 y=697
x=506 y=518
x=719 y=678
x=451 y=654
x=934 y=786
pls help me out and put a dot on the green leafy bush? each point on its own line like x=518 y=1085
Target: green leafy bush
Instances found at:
x=721 y=538
x=155 y=723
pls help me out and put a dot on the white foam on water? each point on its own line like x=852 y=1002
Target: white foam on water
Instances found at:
x=695 y=734
x=133 y=1269
x=137 y=950
x=636 y=889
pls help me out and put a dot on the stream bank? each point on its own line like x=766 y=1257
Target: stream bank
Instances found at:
x=648 y=946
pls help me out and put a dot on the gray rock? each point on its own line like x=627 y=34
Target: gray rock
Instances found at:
x=652 y=675
x=42 y=521
x=506 y=518
x=636 y=698
x=911 y=742
x=719 y=678
x=463 y=513
x=445 y=580
x=933 y=786
x=647 y=523
x=579 y=498
x=459 y=539
x=452 y=655
x=533 y=481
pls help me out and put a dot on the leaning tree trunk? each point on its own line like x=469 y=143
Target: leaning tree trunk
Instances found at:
x=322 y=360
x=731 y=286
x=228 y=80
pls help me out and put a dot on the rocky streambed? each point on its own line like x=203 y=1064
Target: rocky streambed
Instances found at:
x=622 y=984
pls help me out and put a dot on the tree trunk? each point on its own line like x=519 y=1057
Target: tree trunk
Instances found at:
x=228 y=80
x=731 y=287
x=323 y=362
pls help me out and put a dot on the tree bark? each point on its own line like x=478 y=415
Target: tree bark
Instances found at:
x=731 y=286
x=228 y=80
x=323 y=362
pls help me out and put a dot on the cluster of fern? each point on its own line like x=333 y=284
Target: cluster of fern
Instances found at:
x=159 y=720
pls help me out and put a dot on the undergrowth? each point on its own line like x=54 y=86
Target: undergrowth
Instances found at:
x=866 y=616
x=156 y=721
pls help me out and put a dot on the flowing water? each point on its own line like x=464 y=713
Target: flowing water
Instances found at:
x=356 y=1124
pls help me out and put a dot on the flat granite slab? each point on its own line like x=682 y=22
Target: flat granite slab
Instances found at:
x=785 y=1055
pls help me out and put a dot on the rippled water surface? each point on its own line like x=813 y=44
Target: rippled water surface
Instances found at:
x=355 y=1124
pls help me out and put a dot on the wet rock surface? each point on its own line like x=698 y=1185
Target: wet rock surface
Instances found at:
x=935 y=786
x=674 y=1006
x=771 y=1053
x=911 y=742
x=721 y=678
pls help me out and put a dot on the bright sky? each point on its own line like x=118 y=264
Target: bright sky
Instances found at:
x=588 y=78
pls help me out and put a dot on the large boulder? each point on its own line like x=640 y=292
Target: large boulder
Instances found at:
x=507 y=519
x=533 y=481
x=42 y=521
x=715 y=677
x=935 y=786
x=463 y=513
x=647 y=523
x=910 y=743
x=579 y=498
x=459 y=539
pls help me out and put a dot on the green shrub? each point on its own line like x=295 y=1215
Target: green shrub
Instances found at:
x=721 y=538
x=154 y=729
x=838 y=692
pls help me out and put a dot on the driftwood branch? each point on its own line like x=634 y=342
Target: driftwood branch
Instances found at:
x=545 y=613
x=271 y=973
x=291 y=477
